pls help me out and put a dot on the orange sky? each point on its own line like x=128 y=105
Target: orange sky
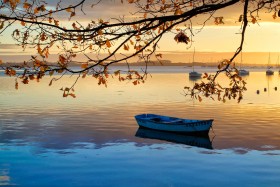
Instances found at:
x=261 y=37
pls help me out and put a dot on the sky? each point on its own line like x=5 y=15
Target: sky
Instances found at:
x=261 y=37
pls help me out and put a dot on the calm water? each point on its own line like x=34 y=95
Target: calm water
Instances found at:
x=93 y=140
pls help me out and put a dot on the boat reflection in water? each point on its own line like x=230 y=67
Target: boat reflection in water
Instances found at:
x=192 y=140
x=194 y=78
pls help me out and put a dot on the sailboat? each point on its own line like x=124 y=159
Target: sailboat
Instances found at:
x=242 y=72
x=269 y=71
x=194 y=74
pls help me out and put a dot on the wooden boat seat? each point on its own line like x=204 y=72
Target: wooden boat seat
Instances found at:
x=156 y=119
x=174 y=121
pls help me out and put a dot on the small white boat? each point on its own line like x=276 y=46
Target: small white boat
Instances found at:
x=243 y=72
x=173 y=124
x=194 y=74
x=269 y=71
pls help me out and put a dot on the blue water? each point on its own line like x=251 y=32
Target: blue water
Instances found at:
x=47 y=140
x=129 y=164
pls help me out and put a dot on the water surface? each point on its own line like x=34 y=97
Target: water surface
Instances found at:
x=47 y=140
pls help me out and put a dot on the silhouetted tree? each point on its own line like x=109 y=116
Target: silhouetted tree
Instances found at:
x=38 y=26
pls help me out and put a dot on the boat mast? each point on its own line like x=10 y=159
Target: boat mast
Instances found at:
x=240 y=60
x=268 y=60
x=193 y=59
x=277 y=62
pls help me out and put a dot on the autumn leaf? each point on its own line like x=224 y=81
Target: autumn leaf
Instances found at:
x=39 y=50
x=72 y=95
x=84 y=74
x=50 y=82
x=99 y=32
x=51 y=73
x=138 y=47
x=25 y=80
x=72 y=14
x=36 y=10
x=22 y=23
x=90 y=47
x=145 y=15
x=274 y=15
x=219 y=20
x=182 y=37
x=84 y=65
x=26 y=5
x=43 y=68
x=43 y=37
x=240 y=18
x=108 y=44
x=56 y=22
x=178 y=11
x=16 y=85
x=62 y=59
x=1 y=25
x=254 y=20
x=159 y=55
x=79 y=38
x=69 y=9
x=116 y=73
x=65 y=94
x=46 y=52
x=126 y=47
x=205 y=75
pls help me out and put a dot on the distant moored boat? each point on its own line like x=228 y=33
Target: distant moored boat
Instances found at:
x=242 y=72
x=194 y=74
x=269 y=71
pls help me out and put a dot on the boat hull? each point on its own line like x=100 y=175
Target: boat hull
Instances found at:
x=195 y=74
x=269 y=72
x=243 y=72
x=171 y=124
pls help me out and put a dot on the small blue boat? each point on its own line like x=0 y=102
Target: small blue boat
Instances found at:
x=173 y=124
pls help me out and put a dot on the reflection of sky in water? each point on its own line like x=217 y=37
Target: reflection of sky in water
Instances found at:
x=4 y=178
x=125 y=164
x=47 y=139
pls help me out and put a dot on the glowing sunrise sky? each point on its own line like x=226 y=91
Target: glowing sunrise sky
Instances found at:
x=260 y=37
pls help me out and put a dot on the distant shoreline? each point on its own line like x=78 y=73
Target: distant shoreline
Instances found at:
x=157 y=63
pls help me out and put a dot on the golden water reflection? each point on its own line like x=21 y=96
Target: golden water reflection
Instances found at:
x=99 y=115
